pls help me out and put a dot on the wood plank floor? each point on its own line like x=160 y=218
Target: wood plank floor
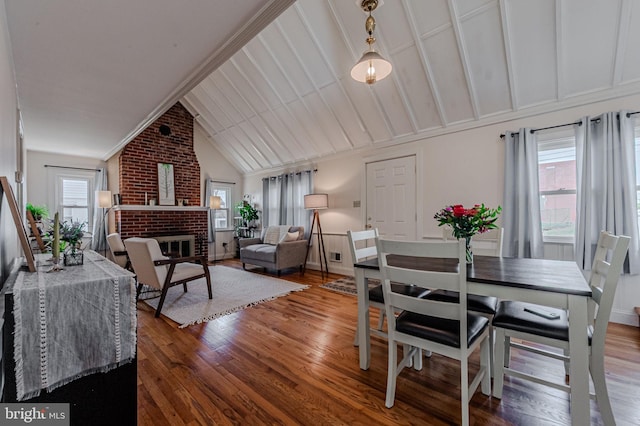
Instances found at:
x=292 y=361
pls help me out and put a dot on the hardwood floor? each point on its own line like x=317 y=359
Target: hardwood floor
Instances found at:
x=292 y=361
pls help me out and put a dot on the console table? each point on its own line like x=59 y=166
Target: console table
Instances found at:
x=63 y=330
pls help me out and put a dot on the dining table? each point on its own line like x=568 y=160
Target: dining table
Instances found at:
x=553 y=283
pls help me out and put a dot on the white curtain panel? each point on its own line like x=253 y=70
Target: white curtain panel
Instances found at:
x=99 y=235
x=208 y=190
x=521 y=211
x=606 y=183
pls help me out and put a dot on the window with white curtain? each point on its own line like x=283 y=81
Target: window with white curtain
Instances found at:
x=557 y=180
x=557 y=176
x=74 y=197
x=223 y=216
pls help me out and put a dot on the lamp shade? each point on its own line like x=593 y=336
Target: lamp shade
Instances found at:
x=214 y=202
x=104 y=199
x=371 y=68
x=316 y=201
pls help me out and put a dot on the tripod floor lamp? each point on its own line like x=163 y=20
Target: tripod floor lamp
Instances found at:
x=317 y=202
x=214 y=204
x=104 y=202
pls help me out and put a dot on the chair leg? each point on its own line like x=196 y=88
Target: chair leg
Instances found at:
x=355 y=339
x=507 y=350
x=486 y=356
x=138 y=291
x=464 y=390
x=243 y=266
x=391 y=374
x=492 y=341
x=500 y=362
x=599 y=383
x=381 y=320
x=161 y=302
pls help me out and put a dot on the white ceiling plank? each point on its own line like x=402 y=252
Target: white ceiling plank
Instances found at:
x=435 y=95
x=506 y=37
x=464 y=60
x=193 y=99
x=631 y=69
x=285 y=137
x=588 y=61
x=488 y=70
x=624 y=21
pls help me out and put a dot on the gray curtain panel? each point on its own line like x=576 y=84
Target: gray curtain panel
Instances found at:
x=99 y=235
x=521 y=210
x=283 y=199
x=606 y=183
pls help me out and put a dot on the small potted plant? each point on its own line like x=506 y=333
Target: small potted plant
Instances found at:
x=248 y=213
x=38 y=212
x=72 y=233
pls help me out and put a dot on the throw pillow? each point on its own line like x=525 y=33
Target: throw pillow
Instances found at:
x=291 y=236
x=272 y=235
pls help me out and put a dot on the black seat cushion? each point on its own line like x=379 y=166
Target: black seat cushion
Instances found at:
x=512 y=315
x=476 y=303
x=375 y=293
x=440 y=330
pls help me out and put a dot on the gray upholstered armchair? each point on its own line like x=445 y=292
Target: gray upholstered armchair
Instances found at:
x=278 y=247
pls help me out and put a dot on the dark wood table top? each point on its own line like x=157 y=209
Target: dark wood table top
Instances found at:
x=534 y=274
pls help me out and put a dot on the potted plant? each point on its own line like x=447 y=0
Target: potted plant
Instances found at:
x=248 y=213
x=38 y=212
x=71 y=233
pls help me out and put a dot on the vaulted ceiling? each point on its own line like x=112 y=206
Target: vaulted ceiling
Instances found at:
x=91 y=76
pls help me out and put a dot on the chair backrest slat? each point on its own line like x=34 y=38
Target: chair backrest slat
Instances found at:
x=454 y=279
x=362 y=244
x=606 y=268
x=488 y=243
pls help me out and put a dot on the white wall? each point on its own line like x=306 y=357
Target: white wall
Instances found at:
x=38 y=188
x=214 y=166
x=9 y=247
x=466 y=167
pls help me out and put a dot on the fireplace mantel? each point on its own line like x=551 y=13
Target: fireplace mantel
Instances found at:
x=133 y=207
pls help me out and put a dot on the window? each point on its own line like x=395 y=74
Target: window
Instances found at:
x=74 y=197
x=557 y=180
x=224 y=214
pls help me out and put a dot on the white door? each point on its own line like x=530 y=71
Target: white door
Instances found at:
x=391 y=198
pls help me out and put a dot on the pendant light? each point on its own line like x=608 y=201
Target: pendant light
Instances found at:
x=372 y=66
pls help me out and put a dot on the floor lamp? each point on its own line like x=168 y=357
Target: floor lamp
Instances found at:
x=317 y=202
x=104 y=202
x=214 y=204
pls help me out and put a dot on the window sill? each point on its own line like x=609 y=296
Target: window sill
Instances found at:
x=558 y=240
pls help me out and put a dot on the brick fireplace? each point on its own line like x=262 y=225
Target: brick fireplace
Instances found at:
x=168 y=140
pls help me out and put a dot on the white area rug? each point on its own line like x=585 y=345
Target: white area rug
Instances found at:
x=233 y=290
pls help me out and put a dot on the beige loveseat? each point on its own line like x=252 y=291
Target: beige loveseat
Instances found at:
x=278 y=247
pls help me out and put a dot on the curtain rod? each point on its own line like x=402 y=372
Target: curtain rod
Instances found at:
x=72 y=168
x=220 y=181
x=291 y=173
x=579 y=123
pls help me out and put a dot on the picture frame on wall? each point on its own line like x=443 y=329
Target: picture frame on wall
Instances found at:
x=166 y=185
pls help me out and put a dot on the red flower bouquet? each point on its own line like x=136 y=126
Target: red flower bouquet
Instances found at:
x=465 y=223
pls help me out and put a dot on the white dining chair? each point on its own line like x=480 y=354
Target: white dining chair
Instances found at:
x=363 y=246
x=549 y=326
x=483 y=305
x=430 y=325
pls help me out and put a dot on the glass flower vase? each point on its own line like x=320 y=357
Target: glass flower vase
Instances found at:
x=468 y=250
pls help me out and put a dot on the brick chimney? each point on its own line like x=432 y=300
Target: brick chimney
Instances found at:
x=168 y=140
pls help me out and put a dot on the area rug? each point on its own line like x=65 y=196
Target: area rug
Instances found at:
x=347 y=285
x=233 y=290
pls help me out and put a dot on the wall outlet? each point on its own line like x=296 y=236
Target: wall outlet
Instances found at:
x=335 y=256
